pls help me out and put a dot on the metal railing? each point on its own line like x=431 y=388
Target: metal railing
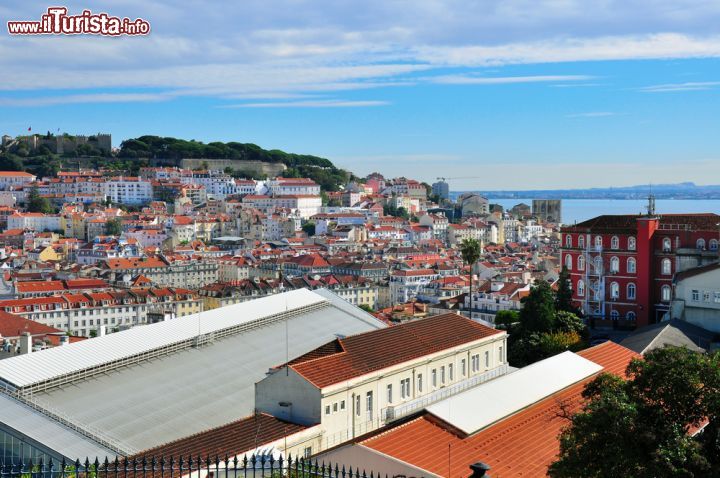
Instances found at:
x=399 y=411
x=255 y=466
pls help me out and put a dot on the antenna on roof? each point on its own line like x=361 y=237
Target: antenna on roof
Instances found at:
x=287 y=338
x=651 y=203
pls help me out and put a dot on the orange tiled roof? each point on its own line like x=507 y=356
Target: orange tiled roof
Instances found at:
x=523 y=444
x=368 y=352
x=232 y=439
x=14 y=326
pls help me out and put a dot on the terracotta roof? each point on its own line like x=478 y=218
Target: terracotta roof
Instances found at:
x=135 y=263
x=8 y=174
x=12 y=325
x=628 y=223
x=523 y=444
x=39 y=286
x=232 y=439
x=358 y=355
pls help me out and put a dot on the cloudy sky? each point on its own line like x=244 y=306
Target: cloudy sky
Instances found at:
x=501 y=93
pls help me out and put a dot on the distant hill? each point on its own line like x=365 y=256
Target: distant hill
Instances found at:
x=321 y=170
x=138 y=152
x=686 y=190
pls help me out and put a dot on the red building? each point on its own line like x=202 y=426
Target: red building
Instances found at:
x=621 y=267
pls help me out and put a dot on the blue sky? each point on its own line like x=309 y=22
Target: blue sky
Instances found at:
x=507 y=94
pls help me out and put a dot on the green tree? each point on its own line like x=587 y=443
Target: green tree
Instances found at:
x=113 y=227
x=538 y=311
x=504 y=319
x=470 y=251
x=639 y=428
x=37 y=203
x=309 y=228
x=568 y=322
x=563 y=296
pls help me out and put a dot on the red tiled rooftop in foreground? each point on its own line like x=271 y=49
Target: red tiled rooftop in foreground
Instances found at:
x=232 y=439
x=14 y=326
x=521 y=445
x=368 y=352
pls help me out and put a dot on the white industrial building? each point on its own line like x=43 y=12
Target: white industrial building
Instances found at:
x=147 y=387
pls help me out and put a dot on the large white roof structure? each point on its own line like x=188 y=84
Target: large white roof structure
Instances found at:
x=52 y=364
x=166 y=381
x=484 y=405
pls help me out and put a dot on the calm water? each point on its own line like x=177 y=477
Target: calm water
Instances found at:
x=577 y=210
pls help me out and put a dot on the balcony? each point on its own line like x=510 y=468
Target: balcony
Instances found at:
x=398 y=411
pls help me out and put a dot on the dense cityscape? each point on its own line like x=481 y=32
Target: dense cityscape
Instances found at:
x=321 y=239
x=403 y=309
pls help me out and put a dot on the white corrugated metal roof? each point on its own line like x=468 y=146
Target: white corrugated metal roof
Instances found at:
x=50 y=433
x=36 y=367
x=481 y=406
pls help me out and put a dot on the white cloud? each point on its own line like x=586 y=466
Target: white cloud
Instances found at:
x=85 y=98
x=310 y=104
x=689 y=86
x=480 y=80
x=562 y=50
x=257 y=48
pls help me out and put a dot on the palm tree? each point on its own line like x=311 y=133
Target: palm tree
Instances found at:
x=470 y=250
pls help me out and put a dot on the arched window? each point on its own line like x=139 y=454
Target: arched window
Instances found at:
x=667 y=244
x=581 y=288
x=713 y=244
x=666 y=267
x=631 y=265
x=614 y=290
x=614 y=265
x=631 y=291
x=701 y=244
x=631 y=243
x=665 y=293
x=568 y=240
x=581 y=242
x=614 y=315
x=598 y=265
x=630 y=315
x=615 y=243
x=568 y=262
x=581 y=263
x=598 y=241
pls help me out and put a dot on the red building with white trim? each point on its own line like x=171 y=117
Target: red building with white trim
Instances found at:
x=621 y=267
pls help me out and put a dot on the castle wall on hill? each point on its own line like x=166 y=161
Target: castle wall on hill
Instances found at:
x=258 y=167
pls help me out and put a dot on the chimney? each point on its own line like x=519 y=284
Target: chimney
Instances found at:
x=25 y=343
x=479 y=469
x=64 y=340
x=101 y=331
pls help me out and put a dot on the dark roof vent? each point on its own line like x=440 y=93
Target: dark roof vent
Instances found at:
x=479 y=469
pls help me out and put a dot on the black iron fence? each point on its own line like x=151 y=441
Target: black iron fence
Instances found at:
x=257 y=466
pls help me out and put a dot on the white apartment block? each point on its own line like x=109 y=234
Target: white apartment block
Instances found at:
x=128 y=190
x=216 y=183
x=10 y=179
x=292 y=186
x=306 y=206
x=81 y=314
x=404 y=369
x=407 y=284
x=35 y=221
